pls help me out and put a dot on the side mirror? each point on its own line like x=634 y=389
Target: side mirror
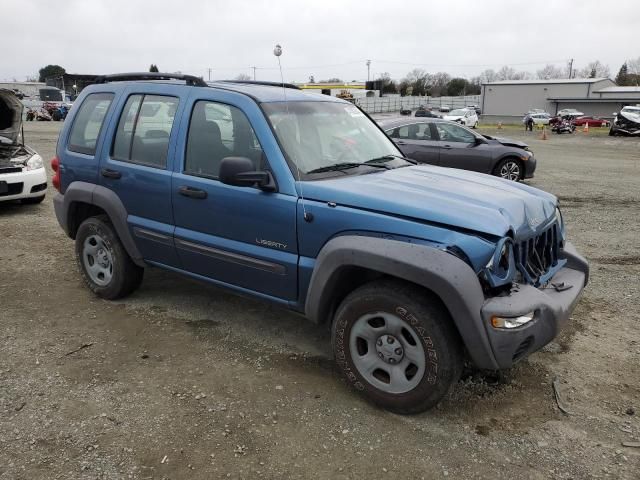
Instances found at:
x=615 y=113
x=480 y=141
x=240 y=172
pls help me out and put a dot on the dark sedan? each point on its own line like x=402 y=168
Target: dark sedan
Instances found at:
x=448 y=144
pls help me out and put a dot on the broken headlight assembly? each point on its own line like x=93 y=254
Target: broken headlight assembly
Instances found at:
x=501 y=268
x=34 y=163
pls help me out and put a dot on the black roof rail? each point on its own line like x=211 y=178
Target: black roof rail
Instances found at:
x=260 y=82
x=133 y=76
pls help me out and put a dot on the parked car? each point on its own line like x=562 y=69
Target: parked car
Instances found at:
x=540 y=118
x=444 y=108
x=425 y=112
x=626 y=122
x=570 y=112
x=22 y=173
x=592 y=121
x=448 y=144
x=476 y=108
x=417 y=269
x=463 y=116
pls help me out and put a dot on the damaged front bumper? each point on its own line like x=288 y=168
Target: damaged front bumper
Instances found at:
x=550 y=308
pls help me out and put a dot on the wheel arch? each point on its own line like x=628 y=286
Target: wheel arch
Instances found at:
x=509 y=156
x=82 y=200
x=347 y=262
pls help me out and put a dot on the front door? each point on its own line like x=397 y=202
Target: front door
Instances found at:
x=458 y=149
x=416 y=142
x=238 y=236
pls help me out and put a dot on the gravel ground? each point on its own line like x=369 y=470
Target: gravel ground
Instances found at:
x=183 y=380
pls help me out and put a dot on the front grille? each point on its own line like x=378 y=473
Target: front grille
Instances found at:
x=10 y=170
x=536 y=257
x=13 y=189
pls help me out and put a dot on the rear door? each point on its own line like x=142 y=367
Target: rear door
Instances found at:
x=417 y=142
x=458 y=148
x=137 y=167
x=239 y=236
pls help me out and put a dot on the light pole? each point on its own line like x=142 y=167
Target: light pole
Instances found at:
x=368 y=69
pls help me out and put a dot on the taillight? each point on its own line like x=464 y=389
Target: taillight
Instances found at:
x=55 y=166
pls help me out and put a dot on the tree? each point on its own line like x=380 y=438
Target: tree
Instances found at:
x=243 y=77
x=153 y=68
x=418 y=81
x=457 y=87
x=332 y=80
x=312 y=79
x=388 y=85
x=50 y=71
x=550 y=72
x=487 y=76
x=623 y=75
x=633 y=66
x=594 y=69
x=439 y=83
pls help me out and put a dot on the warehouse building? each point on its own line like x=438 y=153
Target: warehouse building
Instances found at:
x=593 y=96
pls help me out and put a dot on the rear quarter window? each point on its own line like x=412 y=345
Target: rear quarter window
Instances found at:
x=87 y=123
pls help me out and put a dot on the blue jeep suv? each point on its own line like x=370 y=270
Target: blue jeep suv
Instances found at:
x=303 y=201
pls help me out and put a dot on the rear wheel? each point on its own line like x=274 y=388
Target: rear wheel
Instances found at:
x=104 y=264
x=395 y=343
x=509 y=169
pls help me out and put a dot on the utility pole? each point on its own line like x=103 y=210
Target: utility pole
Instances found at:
x=254 y=73
x=209 y=69
x=368 y=69
x=570 y=67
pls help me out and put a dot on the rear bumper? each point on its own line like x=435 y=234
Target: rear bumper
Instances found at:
x=552 y=311
x=29 y=184
x=61 y=211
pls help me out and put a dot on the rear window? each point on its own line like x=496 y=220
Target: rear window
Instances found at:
x=144 y=130
x=88 y=123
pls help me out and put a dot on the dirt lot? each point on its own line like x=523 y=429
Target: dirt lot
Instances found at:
x=185 y=381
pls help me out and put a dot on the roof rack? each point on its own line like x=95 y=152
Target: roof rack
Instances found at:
x=259 y=82
x=124 y=77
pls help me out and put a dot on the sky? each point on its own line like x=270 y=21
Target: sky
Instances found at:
x=322 y=38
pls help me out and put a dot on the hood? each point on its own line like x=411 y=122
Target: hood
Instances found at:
x=507 y=142
x=10 y=116
x=630 y=116
x=459 y=198
x=453 y=117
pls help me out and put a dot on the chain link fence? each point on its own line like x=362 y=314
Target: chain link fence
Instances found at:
x=396 y=103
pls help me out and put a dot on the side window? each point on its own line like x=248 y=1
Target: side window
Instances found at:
x=454 y=133
x=424 y=132
x=217 y=131
x=144 y=130
x=88 y=123
x=402 y=132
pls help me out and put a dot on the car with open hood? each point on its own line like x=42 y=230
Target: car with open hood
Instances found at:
x=448 y=144
x=302 y=201
x=464 y=116
x=626 y=122
x=22 y=173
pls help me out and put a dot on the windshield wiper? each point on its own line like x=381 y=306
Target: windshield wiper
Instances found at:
x=343 y=166
x=387 y=158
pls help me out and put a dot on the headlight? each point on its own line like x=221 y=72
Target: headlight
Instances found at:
x=35 y=162
x=511 y=322
x=501 y=268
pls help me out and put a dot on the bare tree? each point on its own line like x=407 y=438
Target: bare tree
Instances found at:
x=633 y=66
x=594 y=69
x=243 y=77
x=418 y=81
x=551 y=72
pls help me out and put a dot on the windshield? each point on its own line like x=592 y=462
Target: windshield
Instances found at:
x=458 y=113
x=317 y=135
x=635 y=110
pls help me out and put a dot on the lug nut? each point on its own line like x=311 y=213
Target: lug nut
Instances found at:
x=389 y=339
x=398 y=351
x=392 y=360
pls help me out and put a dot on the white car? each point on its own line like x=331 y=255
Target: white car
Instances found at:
x=540 y=118
x=570 y=112
x=464 y=116
x=22 y=173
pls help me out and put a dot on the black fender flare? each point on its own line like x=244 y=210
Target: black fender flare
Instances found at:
x=447 y=276
x=108 y=201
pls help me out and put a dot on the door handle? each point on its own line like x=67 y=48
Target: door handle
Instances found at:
x=108 y=173
x=447 y=146
x=400 y=142
x=192 y=192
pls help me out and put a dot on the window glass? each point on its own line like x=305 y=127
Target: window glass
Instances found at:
x=217 y=131
x=144 y=130
x=453 y=133
x=417 y=131
x=88 y=123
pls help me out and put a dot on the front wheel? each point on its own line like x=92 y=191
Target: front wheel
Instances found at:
x=475 y=125
x=396 y=343
x=104 y=264
x=509 y=169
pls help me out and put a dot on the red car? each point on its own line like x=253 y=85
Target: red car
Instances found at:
x=593 y=121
